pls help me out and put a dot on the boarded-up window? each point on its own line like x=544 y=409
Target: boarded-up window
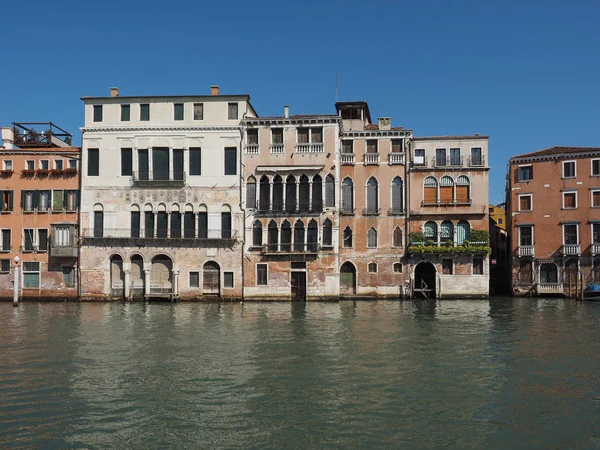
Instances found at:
x=596 y=198
x=524 y=202
x=569 y=200
x=430 y=190
x=446 y=189
x=463 y=189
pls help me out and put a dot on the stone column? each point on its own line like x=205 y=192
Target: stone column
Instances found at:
x=196 y=225
x=126 y=281
x=310 y=188
x=175 y=287
x=168 y=224
x=284 y=183
x=271 y=197
x=297 y=194
x=146 y=282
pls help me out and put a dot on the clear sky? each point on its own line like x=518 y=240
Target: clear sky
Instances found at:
x=525 y=73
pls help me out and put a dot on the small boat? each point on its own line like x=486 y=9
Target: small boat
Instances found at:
x=592 y=292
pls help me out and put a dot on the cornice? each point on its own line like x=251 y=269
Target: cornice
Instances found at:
x=157 y=128
x=283 y=121
x=376 y=133
x=553 y=157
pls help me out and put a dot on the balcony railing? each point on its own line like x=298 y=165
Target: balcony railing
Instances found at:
x=447 y=162
x=396 y=158
x=160 y=233
x=32 y=249
x=291 y=248
x=252 y=149
x=348 y=159
x=453 y=203
x=277 y=148
x=571 y=249
x=371 y=158
x=314 y=147
x=595 y=249
x=266 y=208
x=478 y=161
x=549 y=288
x=526 y=250
x=158 y=179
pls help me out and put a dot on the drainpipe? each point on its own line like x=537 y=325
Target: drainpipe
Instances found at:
x=79 y=220
x=407 y=178
x=241 y=202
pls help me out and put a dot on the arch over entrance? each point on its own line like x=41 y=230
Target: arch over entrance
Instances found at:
x=211 y=280
x=348 y=279
x=117 y=276
x=161 y=275
x=425 y=280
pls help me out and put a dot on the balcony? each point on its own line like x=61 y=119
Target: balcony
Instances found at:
x=453 y=203
x=160 y=237
x=347 y=159
x=50 y=135
x=595 y=249
x=447 y=162
x=289 y=249
x=526 y=250
x=32 y=249
x=159 y=179
x=277 y=149
x=549 y=288
x=371 y=158
x=64 y=240
x=478 y=161
x=396 y=158
x=266 y=209
x=252 y=149
x=571 y=250
x=314 y=147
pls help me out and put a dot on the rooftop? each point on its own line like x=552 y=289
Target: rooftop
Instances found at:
x=448 y=138
x=557 y=150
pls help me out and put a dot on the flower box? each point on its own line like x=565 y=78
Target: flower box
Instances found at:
x=70 y=172
x=6 y=173
x=26 y=173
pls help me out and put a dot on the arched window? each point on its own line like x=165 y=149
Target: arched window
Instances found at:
x=290 y=193
x=372 y=196
x=251 y=193
x=446 y=189
x=463 y=231
x=330 y=191
x=265 y=194
x=175 y=230
x=304 y=194
x=257 y=234
x=348 y=237
x=430 y=190
x=162 y=221
x=226 y=222
x=299 y=236
x=430 y=231
x=286 y=236
x=548 y=273
x=272 y=236
x=312 y=236
x=372 y=238
x=397 y=237
x=277 y=193
x=202 y=222
x=189 y=222
x=397 y=196
x=463 y=189
x=148 y=221
x=317 y=193
x=117 y=276
x=98 y=220
x=446 y=231
x=348 y=196
x=135 y=221
x=327 y=233
x=372 y=267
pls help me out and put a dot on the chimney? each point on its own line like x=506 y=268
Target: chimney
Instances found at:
x=214 y=89
x=385 y=123
x=8 y=137
x=286 y=111
x=114 y=91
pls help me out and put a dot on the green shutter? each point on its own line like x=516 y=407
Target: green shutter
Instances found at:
x=23 y=200
x=36 y=199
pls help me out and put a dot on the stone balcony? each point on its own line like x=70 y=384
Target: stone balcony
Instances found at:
x=526 y=250
x=595 y=249
x=371 y=158
x=252 y=149
x=277 y=149
x=347 y=159
x=396 y=158
x=549 y=288
x=571 y=250
x=313 y=147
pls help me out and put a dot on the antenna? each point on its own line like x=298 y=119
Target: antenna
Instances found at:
x=337 y=83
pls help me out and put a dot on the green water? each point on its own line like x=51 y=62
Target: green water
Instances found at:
x=452 y=374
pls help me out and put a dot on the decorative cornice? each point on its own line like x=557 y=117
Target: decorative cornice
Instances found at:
x=376 y=133
x=283 y=121
x=554 y=157
x=156 y=128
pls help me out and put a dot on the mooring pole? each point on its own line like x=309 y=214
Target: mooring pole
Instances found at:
x=16 y=283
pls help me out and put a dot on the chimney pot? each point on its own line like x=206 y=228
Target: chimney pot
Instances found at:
x=385 y=123
x=8 y=136
x=214 y=90
x=286 y=111
x=114 y=91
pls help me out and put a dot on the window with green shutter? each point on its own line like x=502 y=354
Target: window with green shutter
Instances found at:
x=144 y=112
x=230 y=161
x=126 y=162
x=93 y=162
x=125 y=113
x=97 y=113
x=57 y=199
x=178 y=111
x=195 y=161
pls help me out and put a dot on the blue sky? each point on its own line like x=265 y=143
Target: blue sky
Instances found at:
x=524 y=73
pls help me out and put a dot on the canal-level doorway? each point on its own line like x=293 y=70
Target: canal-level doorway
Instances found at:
x=425 y=280
x=348 y=279
x=298 y=281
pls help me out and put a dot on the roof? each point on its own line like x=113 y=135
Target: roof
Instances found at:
x=448 y=138
x=129 y=97
x=42 y=150
x=558 y=151
x=354 y=104
x=375 y=127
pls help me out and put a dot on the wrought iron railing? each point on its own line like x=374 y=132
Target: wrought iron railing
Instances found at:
x=286 y=248
x=162 y=178
x=158 y=233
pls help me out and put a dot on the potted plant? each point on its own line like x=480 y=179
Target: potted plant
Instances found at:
x=41 y=173
x=6 y=173
x=70 y=171
x=55 y=173
x=27 y=173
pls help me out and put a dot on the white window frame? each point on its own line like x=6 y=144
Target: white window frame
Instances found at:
x=70 y=165
x=519 y=167
x=47 y=161
x=5 y=164
x=28 y=161
x=37 y=240
x=592 y=197
x=10 y=266
x=574 y=168
x=532 y=234
x=232 y=280
x=576 y=199
x=578 y=234
x=376 y=267
x=33 y=239
x=530 y=202
x=189 y=279
x=39 y=272
x=592 y=167
x=55 y=164
x=256 y=274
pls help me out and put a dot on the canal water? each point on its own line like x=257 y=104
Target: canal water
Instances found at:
x=504 y=373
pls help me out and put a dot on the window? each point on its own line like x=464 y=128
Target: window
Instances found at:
x=329 y=191
x=477 y=266
x=526 y=235
x=397 y=196
x=348 y=237
x=440 y=157
x=304 y=194
x=251 y=193
x=228 y=279
x=257 y=234
x=72 y=163
x=230 y=161
x=397 y=267
x=58 y=164
x=31 y=275
x=27 y=201
x=6 y=201
x=261 y=274
x=276 y=136
x=476 y=157
x=93 y=162
x=372 y=146
x=126 y=162
x=29 y=165
x=312 y=236
x=44 y=164
x=42 y=240
x=525 y=202
x=347 y=196
x=144 y=112
x=97 y=113
x=5 y=244
x=327 y=233
x=348 y=147
x=4 y=265
x=525 y=173
x=595 y=167
x=7 y=164
x=548 y=273
x=194 y=280
x=195 y=161
x=27 y=239
x=277 y=204
x=232 y=111
x=178 y=111
x=286 y=236
x=303 y=136
x=175 y=230
x=57 y=200
x=596 y=199
x=198 y=111
x=596 y=233
x=447 y=266
x=316 y=135
x=455 y=157
x=72 y=200
x=446 y=189
x=98 y=224
x=252 y=136
x=569 y=200
x=125 y=113
x=447 y=232
x=372 y=196
x=226 y=225
x=569 y=170
x=397 y=146
x=148 y=224
x=430 y=231
x=203 y=223
x=162 y=223
x=372 y=267
x=44 y=201
x=430 y=185
x=419 y=157
x=68 y=276
x=500 y=220
x=189 y=225
x=571 y=234
x=372 y=238
x=299 y=236
x=397 y=237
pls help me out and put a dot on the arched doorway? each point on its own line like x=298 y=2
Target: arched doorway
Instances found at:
x=348 y=279
x=117 y=276
x=548 y=273
x=161 y=275
x=425 y=280
x=136 y=277
x=211 y=283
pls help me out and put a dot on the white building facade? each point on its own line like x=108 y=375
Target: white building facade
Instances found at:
x=160 y=196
